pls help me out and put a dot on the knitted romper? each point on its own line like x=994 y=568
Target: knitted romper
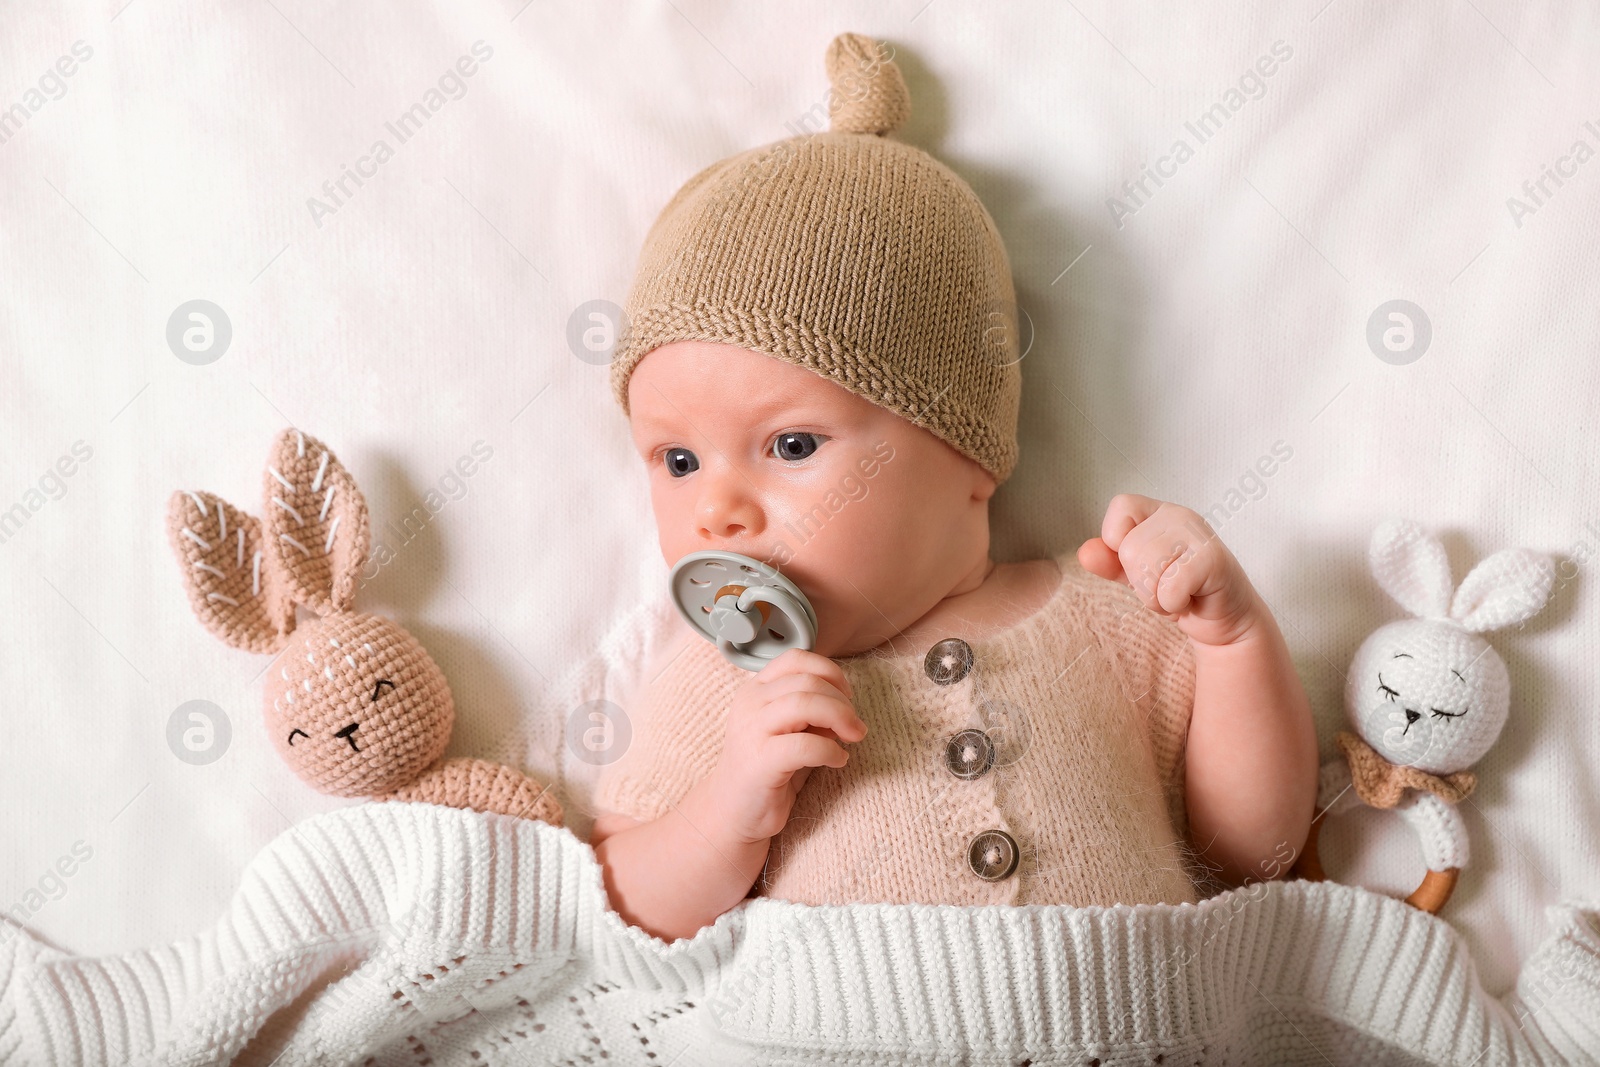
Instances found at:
x=1042 y=764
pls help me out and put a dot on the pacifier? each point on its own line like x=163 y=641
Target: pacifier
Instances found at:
x=751 y=612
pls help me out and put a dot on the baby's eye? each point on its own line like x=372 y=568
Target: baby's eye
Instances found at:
x=796 y=446
x=680 y=461
x=1388 y=691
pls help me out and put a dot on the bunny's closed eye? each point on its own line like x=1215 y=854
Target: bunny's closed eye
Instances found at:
x=248 y=579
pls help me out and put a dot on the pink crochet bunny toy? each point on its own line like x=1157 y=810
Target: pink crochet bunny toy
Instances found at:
x=356 y=707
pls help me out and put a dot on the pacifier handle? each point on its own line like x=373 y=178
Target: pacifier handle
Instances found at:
x=742 y=617
x=736 y=623
x=731 y=621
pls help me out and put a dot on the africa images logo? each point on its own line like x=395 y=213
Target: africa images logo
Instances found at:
x=1251 y=85
x=451 y=85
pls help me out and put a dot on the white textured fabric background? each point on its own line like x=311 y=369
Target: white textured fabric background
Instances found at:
x=1225 y=317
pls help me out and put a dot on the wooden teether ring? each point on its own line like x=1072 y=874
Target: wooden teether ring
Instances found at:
x=1308 y=865
x=1430 y=896
x=1435 y=889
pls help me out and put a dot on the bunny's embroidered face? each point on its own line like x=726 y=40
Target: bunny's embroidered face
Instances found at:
x=353 y=703
x=356 y=706
x=1427 y=695
x=1428 y=692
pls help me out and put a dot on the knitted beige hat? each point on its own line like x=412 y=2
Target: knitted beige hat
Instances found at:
x=861 y=258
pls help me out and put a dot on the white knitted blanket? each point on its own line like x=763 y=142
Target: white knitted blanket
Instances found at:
x=411 y=934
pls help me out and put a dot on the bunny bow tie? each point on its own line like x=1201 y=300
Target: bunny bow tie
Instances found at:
x=1381 y=784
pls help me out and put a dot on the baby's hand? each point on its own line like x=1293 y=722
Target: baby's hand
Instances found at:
x=787 y=719
x=1174 y=561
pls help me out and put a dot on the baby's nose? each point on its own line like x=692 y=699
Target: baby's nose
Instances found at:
x=726 y=510
x=1412 y=715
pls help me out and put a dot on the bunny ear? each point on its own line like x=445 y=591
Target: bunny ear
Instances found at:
x=232 y=586
x=1508 y=587
x=1411 y=566
x=316 y=522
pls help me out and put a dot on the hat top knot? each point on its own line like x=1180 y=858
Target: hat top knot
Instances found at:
x=867 y=94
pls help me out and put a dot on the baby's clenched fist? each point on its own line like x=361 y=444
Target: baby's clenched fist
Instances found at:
x=785 y=720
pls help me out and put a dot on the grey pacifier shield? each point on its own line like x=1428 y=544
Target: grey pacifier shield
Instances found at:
x=743 y=606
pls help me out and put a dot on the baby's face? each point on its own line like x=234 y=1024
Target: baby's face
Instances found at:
x=875 y=518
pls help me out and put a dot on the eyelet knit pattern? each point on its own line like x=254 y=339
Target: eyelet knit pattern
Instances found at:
x=394 y=935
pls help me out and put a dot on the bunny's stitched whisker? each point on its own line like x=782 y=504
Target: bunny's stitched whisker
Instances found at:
x=200 y=565
x=328 y=547
x=192 y=495
x=303 y=549
x=222 y=597
x=316 y=483
x=196 y=538
x=274 y=472
x=222 y=521
x=325 y=502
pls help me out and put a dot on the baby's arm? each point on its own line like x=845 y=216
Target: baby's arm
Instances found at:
x=674 y=875
x=677 y=873
x=1251 y=762
x=1251 y=754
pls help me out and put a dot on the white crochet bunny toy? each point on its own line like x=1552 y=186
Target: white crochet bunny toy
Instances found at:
x=355 y=705
x=1428 y=696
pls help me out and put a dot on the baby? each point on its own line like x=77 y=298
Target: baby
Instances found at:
x=821 y=371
